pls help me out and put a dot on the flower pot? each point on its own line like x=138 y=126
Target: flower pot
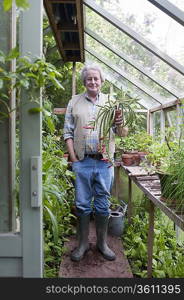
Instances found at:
x=137 y=159
x=127 y=159
x=131 y=159
x=142 y=155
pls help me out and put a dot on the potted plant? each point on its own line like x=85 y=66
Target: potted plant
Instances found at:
x=167 y=160
x=135 y=146
x=107 y=114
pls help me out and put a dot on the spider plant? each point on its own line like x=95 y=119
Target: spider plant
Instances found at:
x=107 y=113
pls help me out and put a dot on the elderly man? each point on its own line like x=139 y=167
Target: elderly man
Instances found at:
x=94 y=175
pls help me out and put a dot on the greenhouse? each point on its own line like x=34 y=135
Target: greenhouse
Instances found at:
x=139 y=46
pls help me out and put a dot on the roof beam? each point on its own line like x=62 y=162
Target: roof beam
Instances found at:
x=134 y=35
x=170 y=9
x=166 y=105
x=132 y=62
x=128 y=77
x=48 y=9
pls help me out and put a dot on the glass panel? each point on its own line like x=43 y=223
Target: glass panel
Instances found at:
x=122 y=83
x=151 y=23
x=7 y=130
x=133 y=50
x=129 y=70
x=171 y=121
x=156 y=123
x=178 y=3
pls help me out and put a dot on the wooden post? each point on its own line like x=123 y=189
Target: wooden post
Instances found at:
x=31 y=148
x=150 y=239
x=162 y=124
x=129 y=200
x=117 y=181
x=74 y=79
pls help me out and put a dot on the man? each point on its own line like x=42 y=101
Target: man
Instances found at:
x=94 y=175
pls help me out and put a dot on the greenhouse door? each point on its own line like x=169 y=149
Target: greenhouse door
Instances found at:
x=21 y=245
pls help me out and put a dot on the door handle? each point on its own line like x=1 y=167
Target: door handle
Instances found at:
x=36 y=181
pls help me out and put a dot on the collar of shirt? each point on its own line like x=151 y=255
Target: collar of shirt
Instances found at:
x=87 y=98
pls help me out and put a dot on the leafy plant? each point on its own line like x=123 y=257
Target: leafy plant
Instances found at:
x=140 y=142
x=106 y=118
x=29 y=76
x=172 y=186
x=7 y=4
x=58 y=195
x=106 y=115
x=167 y=252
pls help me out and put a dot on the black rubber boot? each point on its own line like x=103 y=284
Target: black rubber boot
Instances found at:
x=82 y=234
x=101 y=232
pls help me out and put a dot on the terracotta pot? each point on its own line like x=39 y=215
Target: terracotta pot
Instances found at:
x=137 y=159
x=142 y=155
x=127 y=159
x=131 y=158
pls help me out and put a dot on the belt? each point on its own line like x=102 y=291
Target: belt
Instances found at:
x=94 y=156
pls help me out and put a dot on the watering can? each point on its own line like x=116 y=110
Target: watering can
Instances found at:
x=116 y=219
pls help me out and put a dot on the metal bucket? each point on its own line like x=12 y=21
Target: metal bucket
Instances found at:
x=116 y=220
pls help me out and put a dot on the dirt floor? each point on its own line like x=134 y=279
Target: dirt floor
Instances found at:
x=93 y=265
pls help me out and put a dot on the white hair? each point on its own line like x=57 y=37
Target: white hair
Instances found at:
x=91 y=67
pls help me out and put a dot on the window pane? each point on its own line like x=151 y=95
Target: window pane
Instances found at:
x=122 y=83
x=178 y=3
x=131 y=72
x=136 y=52
x=151 y=23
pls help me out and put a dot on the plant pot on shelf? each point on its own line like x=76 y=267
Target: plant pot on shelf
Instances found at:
x=131 y=159
x=127 y=159
x=137 y=159
x=142 y=155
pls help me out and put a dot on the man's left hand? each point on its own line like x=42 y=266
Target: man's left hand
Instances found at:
x=118 y=119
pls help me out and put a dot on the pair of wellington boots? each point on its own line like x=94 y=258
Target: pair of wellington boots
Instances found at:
x=101 y=223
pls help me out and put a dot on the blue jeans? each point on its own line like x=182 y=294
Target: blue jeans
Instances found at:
x=94 y=179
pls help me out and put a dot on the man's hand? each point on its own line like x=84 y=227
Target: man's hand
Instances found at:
x=118 y=117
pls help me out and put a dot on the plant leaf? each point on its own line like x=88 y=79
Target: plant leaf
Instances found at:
x=7 y=4
x=22 y=3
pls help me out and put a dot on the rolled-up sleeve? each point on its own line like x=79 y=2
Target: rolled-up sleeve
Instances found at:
x=68 y=131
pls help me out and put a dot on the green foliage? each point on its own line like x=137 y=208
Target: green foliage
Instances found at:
x=140 y=141
x=167 y=253
x=172 y=186
x=159 y=154
x=58 y=198
x=58 y=195
x=7 y=4
x=106 y=117
x=29 y=76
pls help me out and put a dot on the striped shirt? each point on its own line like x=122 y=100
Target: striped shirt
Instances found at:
x=91 y=138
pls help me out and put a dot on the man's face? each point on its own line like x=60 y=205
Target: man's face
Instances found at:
x=93 y=82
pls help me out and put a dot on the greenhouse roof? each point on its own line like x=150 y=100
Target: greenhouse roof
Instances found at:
x=138 y=49
x=66 y=20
